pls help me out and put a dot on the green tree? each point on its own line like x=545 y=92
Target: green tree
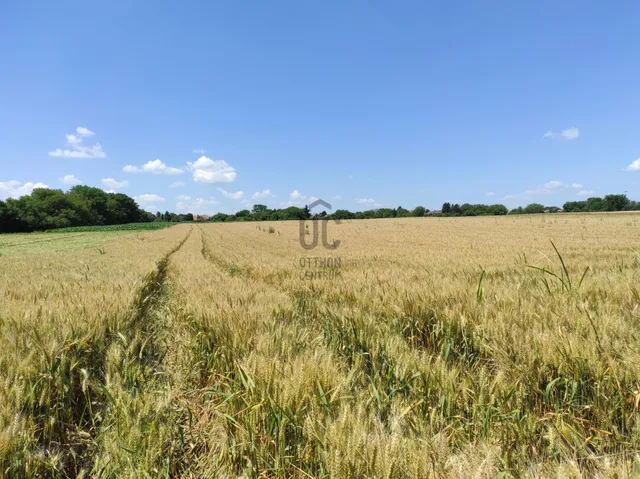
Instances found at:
x=533 y=208
x=517 y=211
x=574 y=206
x=123 y=209
x=616 y=202
x=243 y=215
x=418 y=211
x=498 y=210
x=259 y=209
x=402 y=213
x=221 y=218
x=96 y=201
x=595 y=204
x=343 y=215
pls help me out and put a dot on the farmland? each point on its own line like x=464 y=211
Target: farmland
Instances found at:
x=420 y=347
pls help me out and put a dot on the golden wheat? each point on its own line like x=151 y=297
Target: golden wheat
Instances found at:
x=421 y=347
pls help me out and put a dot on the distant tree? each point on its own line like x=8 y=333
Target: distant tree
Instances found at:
x=418 y=211
x=616 y=202
x=517 y=211
x=498 y=210
x=260 y=212
x=292 y=213
x=534 y=208
x=243 y=215
x=446 y=208
x=221 y=218
x=473 y=210
x=385 y=213
x=595 y=204
x=402 y=213
x=188 y=217
x=343 y=215
x=4 y=217
x=574 y=206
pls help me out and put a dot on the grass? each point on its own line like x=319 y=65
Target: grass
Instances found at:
x=201 y=351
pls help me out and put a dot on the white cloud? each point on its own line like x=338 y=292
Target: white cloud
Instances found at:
x=16 y=189
x=336 y=198
x=177 y=184
x=200 y=151
x=368 y=202
x=296 y=195
x=635 y=166
x=586 y=192
x=491 y=193
x=148 y=199
x=70 y=180
x=113 y=184
x=548 y=188
x=94 y=151
x=568 y=134
x=234 y=196
x=183 y=198
x=82 y=131
x=259 y=195
x=77 y=149
x=206 y=170
x=156 y=167
x=554 y=185
x=73 y=140
x=195 y=206
x=298 y=199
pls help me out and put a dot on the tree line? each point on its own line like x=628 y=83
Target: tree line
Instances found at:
x=590 y=205
x=87 y=206
x=47 y=209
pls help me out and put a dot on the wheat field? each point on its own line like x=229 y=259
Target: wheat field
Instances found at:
x=419 y=347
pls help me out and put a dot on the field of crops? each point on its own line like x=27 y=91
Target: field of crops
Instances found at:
x=419 y=347
x=154 y=225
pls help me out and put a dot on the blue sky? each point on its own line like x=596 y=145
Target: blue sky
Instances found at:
x=361 y=103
